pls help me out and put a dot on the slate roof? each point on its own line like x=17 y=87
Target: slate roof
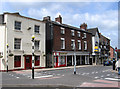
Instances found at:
x=93 y=31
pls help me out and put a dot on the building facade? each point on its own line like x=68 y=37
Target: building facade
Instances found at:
x=17 y=32
x=95 y=45
x=112 y=53
x=104 y=48
x=64 y=42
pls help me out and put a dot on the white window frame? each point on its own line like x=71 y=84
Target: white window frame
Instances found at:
x=20 y=43
x=79 y=45
x=17 y=25
x=62 y=30
x=63 y=40
x=85 y=35
x=38 y=29
x=78 y=33
x=38 y=45
x=72 y=32
x=85 y=45
x=72 y=45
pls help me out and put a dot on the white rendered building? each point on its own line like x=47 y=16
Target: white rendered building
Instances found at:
x=17 y=32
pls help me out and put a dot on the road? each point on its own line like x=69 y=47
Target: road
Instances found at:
x=94 y=76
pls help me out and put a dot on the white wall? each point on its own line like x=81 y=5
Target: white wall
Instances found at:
x=25 y=35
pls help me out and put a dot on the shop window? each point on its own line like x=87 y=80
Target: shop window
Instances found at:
x=62 y=60
x=17 y=61
x=37 y=60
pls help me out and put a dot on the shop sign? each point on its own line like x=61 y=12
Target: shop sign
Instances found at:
x=63 y=53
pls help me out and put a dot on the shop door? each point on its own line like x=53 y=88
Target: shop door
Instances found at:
x=77 y=60
x=69 y=60
x=56 y=61
x=28 y=62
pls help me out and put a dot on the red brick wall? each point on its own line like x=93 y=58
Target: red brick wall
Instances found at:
x=57 y=39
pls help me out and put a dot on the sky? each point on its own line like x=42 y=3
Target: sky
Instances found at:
x=96 y=13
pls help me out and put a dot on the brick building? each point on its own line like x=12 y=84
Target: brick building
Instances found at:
x=104 y=48
x=63 y=41
x=112 y=52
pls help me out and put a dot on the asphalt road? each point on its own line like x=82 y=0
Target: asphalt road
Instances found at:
x=94 y=76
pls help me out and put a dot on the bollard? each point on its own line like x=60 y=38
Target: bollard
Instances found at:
x=118 y=70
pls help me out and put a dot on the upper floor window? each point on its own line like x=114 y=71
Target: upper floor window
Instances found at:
x=84 y=35
x=17 y=43
x=62 y=30
x=78 y=34
x=73 y=44
x=37 y=44
x=79 y=44
x=62 y=43
x=37 y=29
x=72 y=33
x=17 y=25
x=85 y=45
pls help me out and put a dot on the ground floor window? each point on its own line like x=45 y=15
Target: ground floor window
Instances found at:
x=37 y=60
x=62 y=60
x=17 y=61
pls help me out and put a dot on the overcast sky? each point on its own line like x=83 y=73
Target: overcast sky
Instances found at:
x=103 y=15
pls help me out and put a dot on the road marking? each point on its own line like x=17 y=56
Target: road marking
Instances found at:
x=103 y=71
x=102 y=76
x=96 y=72
x=108 y=74
x=17 y=77
x=96 y=77
x=93 y=72
x=113 y=79
x=44 y=76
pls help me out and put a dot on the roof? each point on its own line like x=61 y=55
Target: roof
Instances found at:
x=93 y=31
x=69 y=26
x=17 y=14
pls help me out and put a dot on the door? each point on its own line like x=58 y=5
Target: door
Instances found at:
x=69 y=60
x=77 y=60
x=56 y=61
x=28 y=62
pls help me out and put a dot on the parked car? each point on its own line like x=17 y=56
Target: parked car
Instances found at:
x=107 y=63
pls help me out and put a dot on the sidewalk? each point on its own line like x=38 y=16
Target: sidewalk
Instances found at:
x=60 y=68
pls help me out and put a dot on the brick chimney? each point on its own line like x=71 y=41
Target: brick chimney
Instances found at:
x=46 y=18
x=59 y=19
x=83 y=26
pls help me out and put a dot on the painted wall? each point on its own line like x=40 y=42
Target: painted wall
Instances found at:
x=25 y=35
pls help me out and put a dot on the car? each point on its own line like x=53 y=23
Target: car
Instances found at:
x=107 y=63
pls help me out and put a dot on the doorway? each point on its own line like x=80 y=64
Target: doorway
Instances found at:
x=28 y=62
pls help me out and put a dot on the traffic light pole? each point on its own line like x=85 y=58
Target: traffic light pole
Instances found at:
x=74 y=60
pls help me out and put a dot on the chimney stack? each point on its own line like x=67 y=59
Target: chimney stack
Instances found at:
x=46 y=18
x=83 y=26
x=59 y=19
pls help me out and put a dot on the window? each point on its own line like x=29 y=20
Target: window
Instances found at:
x=17 y=43
x=78 y=34
x=62 y=43
x=62 y=30
x=85 y=45
x=73 y=44
x=17 y=61
x=79 y=45
x=62 y=60
x=17 y=25
x=37 y=44
x=72 y=33
x=37 y=29
x=37 y=60
x=84 y=35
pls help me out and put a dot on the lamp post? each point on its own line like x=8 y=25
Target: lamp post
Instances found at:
x=7 y=57
x=74 y=60
x=33 y=40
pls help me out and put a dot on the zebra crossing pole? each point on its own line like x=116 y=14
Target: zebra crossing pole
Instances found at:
x=7 y=57
x=33 y=40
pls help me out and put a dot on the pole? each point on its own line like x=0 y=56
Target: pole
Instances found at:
x=33 y=39
x=74 y=60
x=7 y=57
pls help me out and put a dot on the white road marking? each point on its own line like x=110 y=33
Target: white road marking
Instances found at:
x=96 y=72
x=58 y=74
x=108 y=74
x=17 y=77
x=102 y=76
x=103 y=71
x=112 y=79
x=93 y=72
x=44 y=76
x=96 y=77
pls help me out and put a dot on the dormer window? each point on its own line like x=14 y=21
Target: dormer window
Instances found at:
x=72 y=33
x=62 y=30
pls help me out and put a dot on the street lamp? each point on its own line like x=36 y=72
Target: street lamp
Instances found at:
x=7 y=57
x=33 y=40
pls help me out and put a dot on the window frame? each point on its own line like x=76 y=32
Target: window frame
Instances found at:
x=17 y=44
x=63 y=40
x=72 y=45
x=38 y=44
x=62 y=30
x=72 y=33
x=38 y=30
x=85 y=35
x=16 y=26
x=85 y=45
x=78 y=33
x=79 y=45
